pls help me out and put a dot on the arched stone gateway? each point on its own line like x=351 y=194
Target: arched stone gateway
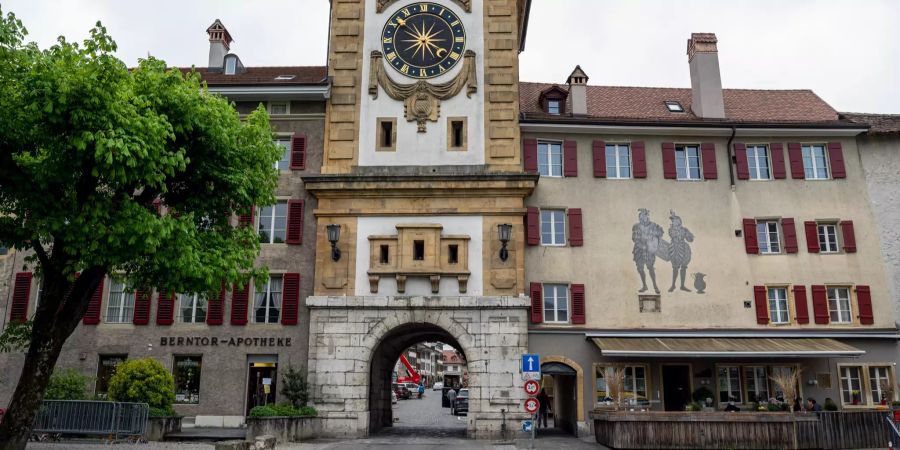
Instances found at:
x=355 y=341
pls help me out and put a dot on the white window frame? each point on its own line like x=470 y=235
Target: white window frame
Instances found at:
x=550 y=148
x=836 y=303
x=269 y=300
x=812 y=167
x=272 y=229
x=759 y=381
x=779 y=311
x=551 y=315
x=620 y=152
x=285 y=142
x=826 y=241
x=682 y=149
x=554 y=227
x=194 y=307
x=559 y=107
x=728 y=378
x=846 y=383
x=757 y=153
x=230 y=65
x=767 y=243
x=875 y=390
x=119 y=303
x=287 y=107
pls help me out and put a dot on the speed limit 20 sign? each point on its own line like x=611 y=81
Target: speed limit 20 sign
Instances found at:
x=531 y=405
x=531 y=388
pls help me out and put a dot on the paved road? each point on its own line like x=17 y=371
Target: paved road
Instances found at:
x=426 y=418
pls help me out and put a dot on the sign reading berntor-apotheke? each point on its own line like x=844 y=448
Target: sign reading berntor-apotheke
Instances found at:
x=196 y=341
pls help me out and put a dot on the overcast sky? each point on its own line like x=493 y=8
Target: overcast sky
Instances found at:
x=848 y=52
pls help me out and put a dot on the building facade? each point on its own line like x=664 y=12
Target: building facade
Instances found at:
x=223 y=351
x=702 y=240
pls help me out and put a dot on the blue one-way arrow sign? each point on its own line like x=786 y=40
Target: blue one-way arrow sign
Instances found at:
x=531 y=363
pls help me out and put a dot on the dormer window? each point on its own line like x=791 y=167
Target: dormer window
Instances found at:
x=674 y=106
x=553 y=100
x=230 y=65
x=553 y=107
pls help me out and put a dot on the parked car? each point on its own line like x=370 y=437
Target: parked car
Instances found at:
x=437 y=386
x=401 y=391
x=461 y=403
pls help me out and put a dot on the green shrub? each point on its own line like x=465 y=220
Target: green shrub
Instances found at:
x=830 y=405
x=694 y=406
x=143 y=381
x=701 y=394
x=295 y=387
x=283 y=410
x=67 y=384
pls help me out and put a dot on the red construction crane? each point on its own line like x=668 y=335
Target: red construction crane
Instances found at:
x=413 y=377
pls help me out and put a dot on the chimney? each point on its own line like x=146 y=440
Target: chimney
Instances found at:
x=219 y=44
x=578 y=91
x=706 y=82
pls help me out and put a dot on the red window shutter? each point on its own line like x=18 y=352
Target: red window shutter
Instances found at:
x=849 y=236
x=240 y=296
x=215 y=308
x=820 y=305
x=570 y=158
x=298 y=152
x=165 y=308
x=245 y=219
x=599 y=149
x=800 y=305
x=836 y=159
x=577 y=304
x=638 y=159
x=708 y=155
x=92 y=315
x=668 y=157
x=762 y=305
x=790 y=235
x=530 y=158
x=294 y=234
x=864 y=301
x=537 y=303
x=740 y=159
x=812 y=236
x=141 y=307
x=776 y=150
x=533 y=225
x=18 y=311
x=576 y=232
x=795 y=154
x=290 y=300
x=750 y=242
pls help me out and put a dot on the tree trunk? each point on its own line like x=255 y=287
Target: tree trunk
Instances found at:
x=61 y=307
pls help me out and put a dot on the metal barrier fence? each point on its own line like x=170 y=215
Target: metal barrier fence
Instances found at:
x=92 y=417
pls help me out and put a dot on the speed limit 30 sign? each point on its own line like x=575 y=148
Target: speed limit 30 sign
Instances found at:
x=531 y=405
x=532 y=388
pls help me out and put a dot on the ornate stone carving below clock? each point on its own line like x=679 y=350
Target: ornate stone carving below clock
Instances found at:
x=422 y=100
x=380 y=5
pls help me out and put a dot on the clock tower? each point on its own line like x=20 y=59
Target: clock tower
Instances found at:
x=420 y=211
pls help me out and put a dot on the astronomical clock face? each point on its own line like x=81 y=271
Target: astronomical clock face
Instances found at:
x=423 y=40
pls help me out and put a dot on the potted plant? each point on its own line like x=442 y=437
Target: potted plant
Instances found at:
x=855 y=395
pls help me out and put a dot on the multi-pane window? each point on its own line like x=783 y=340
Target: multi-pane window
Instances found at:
x=550 y=159
x=554 y=107
x=758 y=162
x=187 y=379
x=730 y=384
x=284 y=163
x=851 y=385
x=553 y=227
x=778 y=305
x=556 y=303
x=192 y=308
x=839 y=305
x=279 y=107
x=756 y=382
x=880 y=384
x=618 y=161
x=120 y=305
x=827 y=238
x=273 y=223
x=687 y=162
x=767 y=237
x=815 y=165
x=634 y=384
x=267 y=305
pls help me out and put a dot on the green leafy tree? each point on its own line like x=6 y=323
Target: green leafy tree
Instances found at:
x=87 y=146
x=295 y=387
x=143 y=381
x=67 y=384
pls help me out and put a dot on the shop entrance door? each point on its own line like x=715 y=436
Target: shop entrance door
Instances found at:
x=261 y=384
x=676 y=380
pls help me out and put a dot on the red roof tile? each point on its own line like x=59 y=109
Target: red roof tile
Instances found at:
x=880 y=123
x=263 y=76
x=647 y=103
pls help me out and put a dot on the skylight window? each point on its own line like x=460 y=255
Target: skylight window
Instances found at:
x=674 y=106
x=285 y=77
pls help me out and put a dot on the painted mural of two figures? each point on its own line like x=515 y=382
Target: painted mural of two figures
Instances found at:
x=650 y=243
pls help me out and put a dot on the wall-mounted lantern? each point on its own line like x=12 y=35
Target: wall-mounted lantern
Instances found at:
x=505 y=230
x=334 y=235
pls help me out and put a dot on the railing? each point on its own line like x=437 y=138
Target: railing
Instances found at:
x=895 y=432
x=116 y=419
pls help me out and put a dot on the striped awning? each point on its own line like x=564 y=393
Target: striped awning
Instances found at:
x=725 y=347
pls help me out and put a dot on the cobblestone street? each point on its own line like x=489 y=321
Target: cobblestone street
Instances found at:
x=426 y=418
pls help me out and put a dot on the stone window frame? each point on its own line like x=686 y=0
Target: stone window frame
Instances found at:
x=465 y=134
x=379 y=134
